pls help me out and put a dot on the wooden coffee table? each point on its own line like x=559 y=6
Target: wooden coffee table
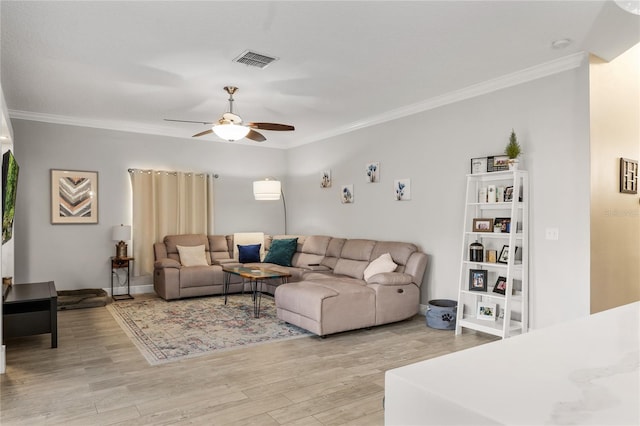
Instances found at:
x=256 y=276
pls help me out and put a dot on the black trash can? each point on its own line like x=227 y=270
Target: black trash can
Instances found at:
x=441 y=314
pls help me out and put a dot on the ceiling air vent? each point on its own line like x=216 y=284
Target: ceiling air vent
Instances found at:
x=254 y=59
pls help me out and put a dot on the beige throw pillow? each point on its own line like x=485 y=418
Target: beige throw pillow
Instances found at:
x=192 y=255
x=382 y=264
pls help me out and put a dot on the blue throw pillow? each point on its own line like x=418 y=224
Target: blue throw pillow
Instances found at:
x=281 y=251
x=249 y=253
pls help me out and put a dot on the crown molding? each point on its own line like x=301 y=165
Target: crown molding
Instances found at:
x=509 y=80
x=121 y=126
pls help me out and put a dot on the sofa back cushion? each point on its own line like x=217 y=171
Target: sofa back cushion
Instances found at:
x=354 y=258
x=400 y=252
x=333 y=252
x=193 y=255
x=219 y=246
x=173 y=241
x=247 y=238
x=312 y=251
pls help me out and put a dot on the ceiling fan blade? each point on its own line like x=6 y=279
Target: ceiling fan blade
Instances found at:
x=271 y=126
x=206 y=132
x=255 y=136
x=188 y=121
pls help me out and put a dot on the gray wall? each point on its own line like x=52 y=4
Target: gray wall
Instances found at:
x=76 y=256
x=433 y=149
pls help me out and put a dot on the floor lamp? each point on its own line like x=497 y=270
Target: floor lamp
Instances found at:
x=270 y=189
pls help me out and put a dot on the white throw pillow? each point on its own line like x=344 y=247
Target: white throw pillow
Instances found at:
x=192 y=255
x=382 y=264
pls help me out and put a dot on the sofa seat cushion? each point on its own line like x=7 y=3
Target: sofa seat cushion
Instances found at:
x=200 y=276
x=340 y=283
x=303 y=298
x=331 y=305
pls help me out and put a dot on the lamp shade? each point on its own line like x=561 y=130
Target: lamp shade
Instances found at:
x=121 y=233
x=230 y=131
x=266 y=189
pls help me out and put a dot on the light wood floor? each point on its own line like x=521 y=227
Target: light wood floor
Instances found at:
x=96 y=376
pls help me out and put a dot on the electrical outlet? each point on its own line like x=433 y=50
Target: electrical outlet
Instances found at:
x=552 y=234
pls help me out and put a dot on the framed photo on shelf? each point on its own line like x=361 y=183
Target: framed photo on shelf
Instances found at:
x=497 y=163
x=481 y=224
x=504 y=255
x=74 y=197
x=487 y=311
x=478 y=165
x=501 y=286
x=478 y=279
x=508 y=194
x=504 y=224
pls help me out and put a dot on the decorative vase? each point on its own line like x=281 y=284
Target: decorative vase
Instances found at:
x=513 y=163
x=476 y=252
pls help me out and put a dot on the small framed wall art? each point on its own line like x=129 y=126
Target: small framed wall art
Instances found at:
x=628 y=176
x=346 y=194
x=325 y=179
x=74 y=197
x=372 y=171
x=402 y=189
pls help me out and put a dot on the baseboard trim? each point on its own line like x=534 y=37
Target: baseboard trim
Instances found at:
x=3 y=363
x=423 y=310
x=135 y=289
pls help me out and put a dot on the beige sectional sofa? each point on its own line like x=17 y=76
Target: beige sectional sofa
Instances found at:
x=337 y=284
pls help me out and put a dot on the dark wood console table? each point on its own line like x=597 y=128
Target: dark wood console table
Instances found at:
x=30 y=309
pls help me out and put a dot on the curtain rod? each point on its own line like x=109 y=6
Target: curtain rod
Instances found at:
x=215 y=175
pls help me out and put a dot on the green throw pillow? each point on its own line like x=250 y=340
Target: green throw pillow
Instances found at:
x=281 y=251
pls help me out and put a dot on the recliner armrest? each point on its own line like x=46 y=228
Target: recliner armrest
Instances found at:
x=316 y=267
x=167 y=263
x=391 y=278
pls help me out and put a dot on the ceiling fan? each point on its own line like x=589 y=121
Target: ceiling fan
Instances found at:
x=231 y=127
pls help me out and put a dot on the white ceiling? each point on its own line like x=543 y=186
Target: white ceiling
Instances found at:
x=343 y=65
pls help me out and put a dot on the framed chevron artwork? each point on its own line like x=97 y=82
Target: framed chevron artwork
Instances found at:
x=74 y=197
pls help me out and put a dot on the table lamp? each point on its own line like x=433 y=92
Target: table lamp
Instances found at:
x=121 y=233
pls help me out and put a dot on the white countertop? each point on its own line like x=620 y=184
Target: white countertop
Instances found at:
x=582 y=372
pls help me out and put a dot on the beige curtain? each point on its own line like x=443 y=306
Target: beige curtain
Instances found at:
x=167 y=203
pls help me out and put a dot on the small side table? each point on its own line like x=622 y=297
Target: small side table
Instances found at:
x=30 y=309
x=121 y=263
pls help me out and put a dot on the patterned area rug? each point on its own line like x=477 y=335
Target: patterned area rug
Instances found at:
x=171 y=331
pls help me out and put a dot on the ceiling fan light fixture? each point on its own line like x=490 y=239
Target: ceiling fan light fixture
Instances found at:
x=631 y=6
x=230 y=132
